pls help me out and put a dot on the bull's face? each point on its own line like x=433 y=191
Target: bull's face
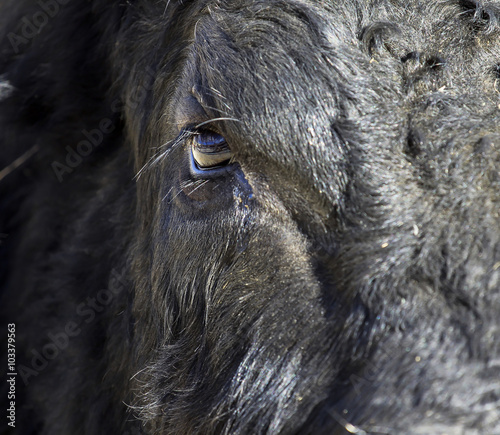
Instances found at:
x=308 y=242
x=322 y=234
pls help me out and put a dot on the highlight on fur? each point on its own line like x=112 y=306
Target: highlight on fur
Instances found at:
x=250 y=217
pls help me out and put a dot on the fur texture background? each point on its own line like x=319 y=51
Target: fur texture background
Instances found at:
x=340 y=275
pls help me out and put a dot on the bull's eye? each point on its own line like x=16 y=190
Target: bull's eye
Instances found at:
x=210 y=150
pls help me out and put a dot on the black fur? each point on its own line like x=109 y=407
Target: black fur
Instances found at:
x=340 y=275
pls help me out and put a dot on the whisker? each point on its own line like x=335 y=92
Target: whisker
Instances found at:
x=197 y=187
x=186 y=185
x=221 y=98
x=175 y=196
x=215 y=109
x=139 y=372
x=168 y=193
x=217 y=92
x=215 y=120
x=161 y=154
x=165 y=10
x=147 y=165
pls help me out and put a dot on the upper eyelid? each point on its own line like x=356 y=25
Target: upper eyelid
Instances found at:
x=190 y=131
x=212 y=125
x=216 y=121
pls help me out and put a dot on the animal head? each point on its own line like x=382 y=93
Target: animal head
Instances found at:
x=305 y=198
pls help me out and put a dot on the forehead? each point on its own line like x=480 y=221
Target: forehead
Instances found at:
x=267 y=64
x=269 y=42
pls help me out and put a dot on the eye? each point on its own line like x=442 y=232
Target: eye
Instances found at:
x=210 y=150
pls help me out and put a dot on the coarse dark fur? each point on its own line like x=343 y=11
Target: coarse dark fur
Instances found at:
x=340 y=275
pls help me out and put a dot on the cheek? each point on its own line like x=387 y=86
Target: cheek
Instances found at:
x=194 y=194
x=199 y=190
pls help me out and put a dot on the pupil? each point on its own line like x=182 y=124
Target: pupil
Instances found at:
x=209 y=139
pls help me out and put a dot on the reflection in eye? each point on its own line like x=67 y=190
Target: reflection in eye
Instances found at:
x=210 y=150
